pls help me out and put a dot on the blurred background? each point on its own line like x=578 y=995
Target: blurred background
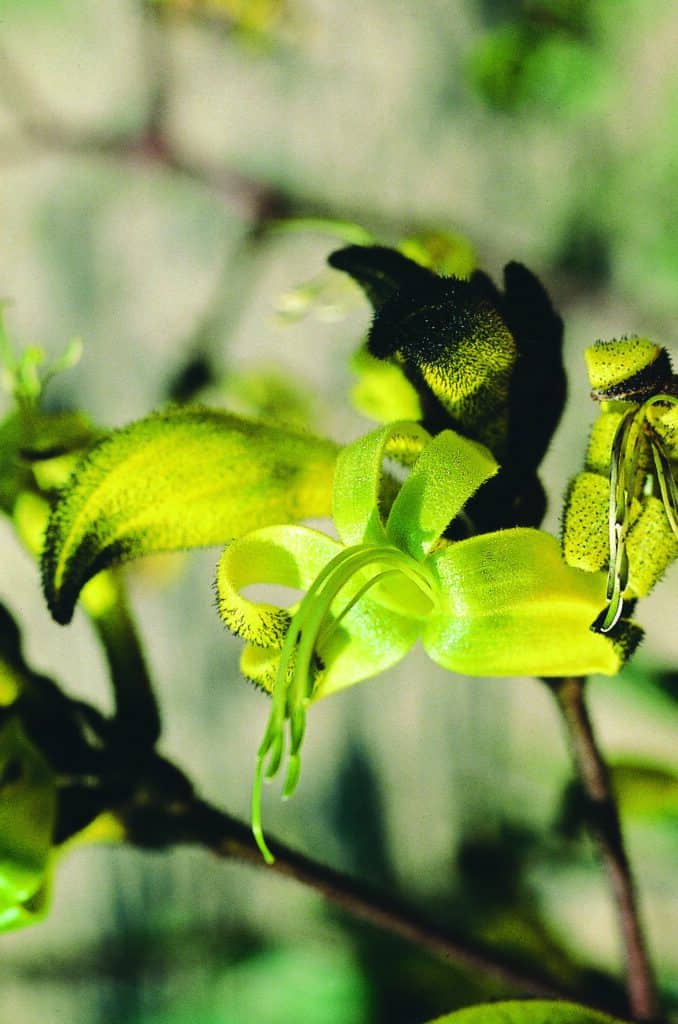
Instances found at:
x=145 y=150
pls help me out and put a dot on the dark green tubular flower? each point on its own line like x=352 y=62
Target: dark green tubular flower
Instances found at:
x=621 y=512
x=498 y=604
x=483 y=362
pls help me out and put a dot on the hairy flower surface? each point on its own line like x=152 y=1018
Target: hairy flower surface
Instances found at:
x=497 y=604
x=621 y=513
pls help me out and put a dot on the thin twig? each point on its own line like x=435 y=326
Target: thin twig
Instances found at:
x=200 y=823
x=42 y=126
x=604 y=823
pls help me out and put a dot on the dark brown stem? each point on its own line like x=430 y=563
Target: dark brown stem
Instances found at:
x=200 y=823
x=603 y=820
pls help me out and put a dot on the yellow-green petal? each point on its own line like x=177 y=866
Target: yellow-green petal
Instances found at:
x=602 y=437
x=183 y=478
x=287 y=556
x=611 y=364
x=359 y=479
x=511 y=606
x=449 y=470
x=651 y=546
x=368 y=639
x=586 y=536
x=260 y=665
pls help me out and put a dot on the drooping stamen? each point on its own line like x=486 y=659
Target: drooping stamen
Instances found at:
x=274 y=737
x=623 y=463
x=308 y=630
x=667 y=484
x=329 y=629
x=663 y=468
x=622 y=472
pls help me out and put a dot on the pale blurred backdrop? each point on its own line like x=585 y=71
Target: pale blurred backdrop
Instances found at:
x=140 y=146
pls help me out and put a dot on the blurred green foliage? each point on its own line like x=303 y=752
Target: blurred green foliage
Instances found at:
x=543 y=56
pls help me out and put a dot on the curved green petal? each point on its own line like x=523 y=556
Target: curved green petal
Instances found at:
x=370 y=639
x=289 y=556
x=359 y=479
x=366 y=643
x=512 y=607
x=357 y=641
x=260 y=665
x=186 y=477
x=448 y=471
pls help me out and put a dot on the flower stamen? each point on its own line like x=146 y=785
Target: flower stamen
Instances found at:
x=623 y=465
x=311 y=628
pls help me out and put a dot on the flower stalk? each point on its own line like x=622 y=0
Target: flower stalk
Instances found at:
x=605 y=826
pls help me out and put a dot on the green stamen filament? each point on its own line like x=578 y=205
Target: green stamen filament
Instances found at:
x=667 y=485
x=622 y=473
x=623 y=464
x=309 y=630
x=329 y=629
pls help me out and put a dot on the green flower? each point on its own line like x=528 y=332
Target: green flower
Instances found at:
x=497 y=604
x=621 y=512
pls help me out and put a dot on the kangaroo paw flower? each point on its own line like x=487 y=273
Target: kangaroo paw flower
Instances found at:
x=501 y=603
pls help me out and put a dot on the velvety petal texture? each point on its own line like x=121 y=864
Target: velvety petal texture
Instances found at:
x=510 y=606
x=621 y=511
x=358 y=498
x=186 y=477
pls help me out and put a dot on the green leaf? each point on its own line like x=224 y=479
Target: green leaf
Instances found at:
x=345 y=230
x=533 y=1012
x=646 y=790
x=186 y=477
